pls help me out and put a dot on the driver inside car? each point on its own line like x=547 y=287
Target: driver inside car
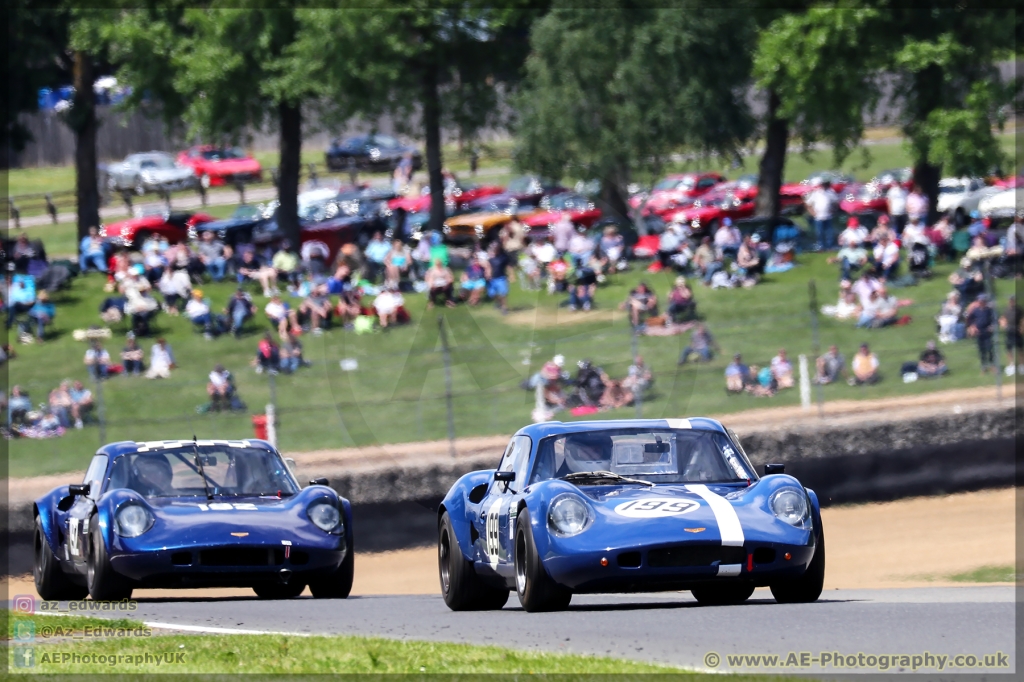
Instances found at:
x=589 y=451
x=152 y=474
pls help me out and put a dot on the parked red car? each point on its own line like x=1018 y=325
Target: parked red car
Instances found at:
x=674 y=191
x=581 y=211
x=175 y=226
x=839 y=181
x=858 y=198
x=457 y=195
x=221 y=165
x=706 y=213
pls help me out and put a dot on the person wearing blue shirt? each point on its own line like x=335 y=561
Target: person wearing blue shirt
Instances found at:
x=737 y=375
x=376 y=251
x=42 y=313
x=21 y=296
x=91 y=252
x=977 y=226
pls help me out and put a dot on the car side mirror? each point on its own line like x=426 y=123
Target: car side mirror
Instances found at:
x=505 y=476
x=770 y=469
x=318 y=481
x=290 y=463
x=78 y=490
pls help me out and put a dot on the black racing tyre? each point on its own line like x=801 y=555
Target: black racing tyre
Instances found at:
x=724 y=594
x=537 y=591
x=337 y=585
x=461 y=587
x=807 y=588
x=104 y=584
x=279 y=590
x=51 y=582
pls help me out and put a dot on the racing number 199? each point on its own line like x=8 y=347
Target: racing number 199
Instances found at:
x=665 y=506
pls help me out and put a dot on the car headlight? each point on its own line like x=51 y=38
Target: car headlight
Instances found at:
x=325 y=516
x=790 y=505
x=568 y=515
x=132 y=520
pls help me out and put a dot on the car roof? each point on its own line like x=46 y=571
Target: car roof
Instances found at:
x=545 y=429
x=126 y=447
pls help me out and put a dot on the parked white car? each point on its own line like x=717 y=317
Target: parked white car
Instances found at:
x=959 y=196
x=149 y=172
x=1003 y=204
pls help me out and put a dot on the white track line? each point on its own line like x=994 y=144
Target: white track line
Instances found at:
x=205 y=629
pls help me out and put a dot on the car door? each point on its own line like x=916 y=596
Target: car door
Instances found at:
x=498 y=510
x=76 y=522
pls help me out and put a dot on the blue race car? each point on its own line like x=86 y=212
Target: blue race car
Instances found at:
x=627 y=506
x=206 y=513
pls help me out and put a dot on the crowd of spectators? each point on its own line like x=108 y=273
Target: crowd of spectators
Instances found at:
x=591 y=390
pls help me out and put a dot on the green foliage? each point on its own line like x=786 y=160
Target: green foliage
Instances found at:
x=823 y=71
x=961 y=139
x=611 y=93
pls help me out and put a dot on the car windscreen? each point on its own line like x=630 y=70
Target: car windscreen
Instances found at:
x=524 y=185
x=656 y=455
x=674 y=183
x=247 y=213
x=156 y=163
x=222 y=154
x=229 y=471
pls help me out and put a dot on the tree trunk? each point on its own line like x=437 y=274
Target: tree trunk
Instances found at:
x=773 y=163
x=926 y=176
x=82 y=120
x=288 y=183
x=432 y=123
x=614 y=193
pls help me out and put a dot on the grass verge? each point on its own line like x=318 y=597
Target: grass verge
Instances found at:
x=986 y=574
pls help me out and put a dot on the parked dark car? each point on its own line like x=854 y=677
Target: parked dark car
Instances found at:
x=524 y=191
x=239 y=227
x=370 y=153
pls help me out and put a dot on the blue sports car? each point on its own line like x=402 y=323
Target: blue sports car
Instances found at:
x=627 y=506
x=194 y=513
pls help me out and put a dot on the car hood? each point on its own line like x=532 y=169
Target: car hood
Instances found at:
x=233 y=165
x=166 y=174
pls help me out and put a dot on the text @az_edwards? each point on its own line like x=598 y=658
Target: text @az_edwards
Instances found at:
x=843 y=661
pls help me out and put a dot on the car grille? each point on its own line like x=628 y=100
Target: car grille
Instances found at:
x=241 y=556
x=695 y=555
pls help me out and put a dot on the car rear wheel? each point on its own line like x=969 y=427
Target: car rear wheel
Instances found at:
x=104 y=584
x=288 y=590
x=807 y=588
x=51 y=581
x=338 y=585
x=721 y=595
x=537 y=591
x=461 y=587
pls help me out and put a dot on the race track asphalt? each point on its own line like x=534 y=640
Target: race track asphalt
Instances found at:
x=666 y=628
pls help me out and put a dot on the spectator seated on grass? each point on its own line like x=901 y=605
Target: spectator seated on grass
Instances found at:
x=93 y=252
x=583 y=288
x=852 y=258
x=213 y=255
x=613 y=246
x=882 y=230
x=315 y=311
x=750 y=260
x=615 y=396
x=590 y=385
x=737 y=375
x=349 y=306
x=161 y=360
x=561 y=233
x=377 y=250
x=251 y=269
x=641 y=303
x=64 y=407
x=931 y=364
x=197 y=310
x=313 y=256
x=473 y=282
x=268 y=355
x=728 y=239
x=497 y=266
x=950 y=319
x=222 y=392
x=706 y=260
x=639 y=378
x=42 y=314
x=560 y=273
x=390 y=307
x=131 y=356
x=886 y=258
x=19 y=405
x=286 y=264
x=139 y=302
x=97 y=360
x=154 y=260
x=702 y=346
x=291 y=354
x=879 y=312
x=830 y=367
x=681 y=304
x=440 y=281
x=81 y=402
x=864 y=366
x=762 y=382
x=855 y=234
x=20 y=296
x=239 y=309
x=421 y=260
x=176 y=288
x=782 y=370
x=397 y=263
x=281 y=316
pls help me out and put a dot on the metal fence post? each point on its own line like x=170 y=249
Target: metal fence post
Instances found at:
x=990 y=288
x=812 y=289
x=447 y=356
x=101 y=411
x=638 y=396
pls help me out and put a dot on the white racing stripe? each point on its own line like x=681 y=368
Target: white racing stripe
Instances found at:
x=678 y=423
x=728 y=523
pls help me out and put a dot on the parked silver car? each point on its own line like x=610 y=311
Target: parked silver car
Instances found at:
x=149 y=172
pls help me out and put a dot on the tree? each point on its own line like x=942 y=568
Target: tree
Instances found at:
x=611 y=94
x=438 y=62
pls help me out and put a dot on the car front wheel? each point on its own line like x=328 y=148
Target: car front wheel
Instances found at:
x=537 y=591
x=807 y=588
x=338 y=585
x=104 y=584
x=51 y=582
x=461 y=587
